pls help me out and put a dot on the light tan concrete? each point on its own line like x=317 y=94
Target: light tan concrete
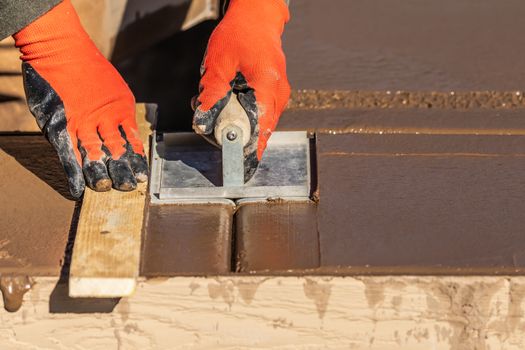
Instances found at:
x=281 y=313
x=14 y=115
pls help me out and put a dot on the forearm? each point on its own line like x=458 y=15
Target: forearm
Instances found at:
x=17 y=14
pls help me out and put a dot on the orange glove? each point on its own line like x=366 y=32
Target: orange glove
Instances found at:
x=245 y=54
x=81 y=103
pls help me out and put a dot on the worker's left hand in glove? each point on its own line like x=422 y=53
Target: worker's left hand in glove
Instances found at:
x=81 y=103
x=245 y=55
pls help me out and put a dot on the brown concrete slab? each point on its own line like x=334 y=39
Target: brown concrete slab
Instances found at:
x=187 y=239
x=36 y=211
x=276 y=236
x=406 y=45
x=412 y=202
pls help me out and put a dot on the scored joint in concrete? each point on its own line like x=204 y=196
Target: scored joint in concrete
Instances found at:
x=276 y=236
x=187 y=239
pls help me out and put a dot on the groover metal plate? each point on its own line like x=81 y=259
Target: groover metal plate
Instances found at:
x=186 y=168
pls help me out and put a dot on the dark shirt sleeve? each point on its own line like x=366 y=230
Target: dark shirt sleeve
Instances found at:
x=16 y=14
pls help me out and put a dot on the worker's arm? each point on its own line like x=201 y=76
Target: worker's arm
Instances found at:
x=80 y=102
x=245 y=53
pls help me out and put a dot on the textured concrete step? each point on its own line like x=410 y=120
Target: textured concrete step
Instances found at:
x=276 y=236
x=415 y=203
x=187 y=239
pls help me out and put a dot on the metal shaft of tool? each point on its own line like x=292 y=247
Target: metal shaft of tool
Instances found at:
x=232 y=156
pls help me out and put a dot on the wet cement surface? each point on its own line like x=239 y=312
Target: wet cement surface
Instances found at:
x=381 y=45
x=276 y=236
x=187 y=239
x=422 y=201
x=377 y=209
x=36 y=210
x=437 y=204
x=388 y=203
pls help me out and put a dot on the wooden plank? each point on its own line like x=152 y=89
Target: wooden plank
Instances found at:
x=247 y=312
x=106 y=253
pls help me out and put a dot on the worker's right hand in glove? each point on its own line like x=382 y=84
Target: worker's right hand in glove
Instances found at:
x=245 y=54
x=81 y=103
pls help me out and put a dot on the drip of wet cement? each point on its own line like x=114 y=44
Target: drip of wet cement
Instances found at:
x=13 y=288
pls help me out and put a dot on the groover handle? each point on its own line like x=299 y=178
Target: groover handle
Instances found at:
x=233 y=115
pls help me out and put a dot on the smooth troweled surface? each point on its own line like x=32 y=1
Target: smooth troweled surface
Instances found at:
x=276 y=236
x=187 y=239
x=415 y=201
x=36 y=213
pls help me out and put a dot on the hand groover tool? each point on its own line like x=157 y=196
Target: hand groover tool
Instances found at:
x=188 y=168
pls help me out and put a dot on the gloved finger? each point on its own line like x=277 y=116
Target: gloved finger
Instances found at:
x=113 y=143
x=48 y=109
x=267 y=120
x=121 y=174
x=139 y=166
x=248 y=102
x=65 y=146
x=134 y=150
x=215 y=90
x=272 y=92
x=93 y=159
x=129 y=132
x=118 y=165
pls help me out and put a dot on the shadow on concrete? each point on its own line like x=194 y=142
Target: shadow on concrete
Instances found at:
x=10 y=74
x=10 y=98
x=147 y=30
x=168 y=74
x=34 y=152
x=61 y=303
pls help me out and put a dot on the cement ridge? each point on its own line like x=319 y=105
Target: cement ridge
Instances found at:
x=349 y=99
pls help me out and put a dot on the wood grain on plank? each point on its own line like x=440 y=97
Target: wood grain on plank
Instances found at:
x=246 y=312
x=106 y=254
